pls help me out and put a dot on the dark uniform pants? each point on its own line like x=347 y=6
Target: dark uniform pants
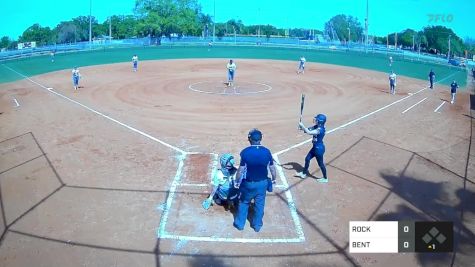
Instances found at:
x=249 y=191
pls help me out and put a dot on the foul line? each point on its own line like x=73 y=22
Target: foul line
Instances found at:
x=351 y=122
x=99 y=113
x=435 y=110
x=409 y=108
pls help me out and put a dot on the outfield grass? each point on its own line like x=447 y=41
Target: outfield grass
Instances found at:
x=372 y=61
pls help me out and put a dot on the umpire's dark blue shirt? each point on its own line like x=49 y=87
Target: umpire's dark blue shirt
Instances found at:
x=256 y=158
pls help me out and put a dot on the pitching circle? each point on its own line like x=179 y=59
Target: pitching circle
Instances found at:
x=220 y=88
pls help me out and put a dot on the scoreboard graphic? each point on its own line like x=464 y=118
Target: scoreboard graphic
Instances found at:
x=400 y=236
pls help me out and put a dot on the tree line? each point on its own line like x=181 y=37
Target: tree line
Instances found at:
x=156 y=18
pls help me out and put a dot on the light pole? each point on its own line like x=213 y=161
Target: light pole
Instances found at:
x=349 y=36
x=387 y=41
x=259 y=31
x=413 y=37
x=90 y=22
x=448 y=54
x=366 y=28
x=110 y=29
x=214 y=21
x=395 y=41
x=234 y=28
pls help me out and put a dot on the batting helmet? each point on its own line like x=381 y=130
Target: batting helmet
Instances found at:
x=254 y=135
x=321 y=119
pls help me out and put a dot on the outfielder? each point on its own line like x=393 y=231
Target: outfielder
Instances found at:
x=76 y=77
x=231 y=70
x=318 y=147
x=135 y=62
x=431 y=79
x=390 y=61
x=392 y=83
x=453 y=91
x=301 y=68
x=223 y=192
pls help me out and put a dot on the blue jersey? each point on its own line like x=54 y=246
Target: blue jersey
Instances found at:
x=453 y=87
x=431 y=75
x=256 y=158
x=318 y=138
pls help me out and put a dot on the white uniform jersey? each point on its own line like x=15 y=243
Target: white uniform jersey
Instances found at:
x=392 y=77
x=135 y=58
x=231 y=67
x=76 y=73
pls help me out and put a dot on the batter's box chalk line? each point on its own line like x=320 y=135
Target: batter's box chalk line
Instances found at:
x=168 y=205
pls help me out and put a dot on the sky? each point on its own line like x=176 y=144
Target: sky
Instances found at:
x=385 y=16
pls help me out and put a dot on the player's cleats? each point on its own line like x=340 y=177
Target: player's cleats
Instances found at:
x=322 y=180
x=301 y=175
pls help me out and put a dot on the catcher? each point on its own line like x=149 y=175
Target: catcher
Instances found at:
x=223 y=193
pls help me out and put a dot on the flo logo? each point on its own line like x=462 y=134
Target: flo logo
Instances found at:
x=435 y=18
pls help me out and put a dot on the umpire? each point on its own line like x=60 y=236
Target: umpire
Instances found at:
x=255 y=160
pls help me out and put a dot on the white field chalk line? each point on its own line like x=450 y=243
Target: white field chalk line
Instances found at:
x=101 y=114
x=236 y=92
x=16 y=102
x=232 y=240
x=443 y=102
x=197 y=185
x=206 y=185
x=409 y=108
x=351 y=122
x=163 y=221
x=290 y=202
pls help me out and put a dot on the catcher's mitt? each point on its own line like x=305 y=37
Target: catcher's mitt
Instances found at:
x=206 y=203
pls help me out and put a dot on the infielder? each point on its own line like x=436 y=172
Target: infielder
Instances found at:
x=318 y=147
x=76 y=77
x=135 y=62
x=453 y=91
x=223 y=192
x=431 y=79
x=392 y=83
x=301 y=68
x=231 y=70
